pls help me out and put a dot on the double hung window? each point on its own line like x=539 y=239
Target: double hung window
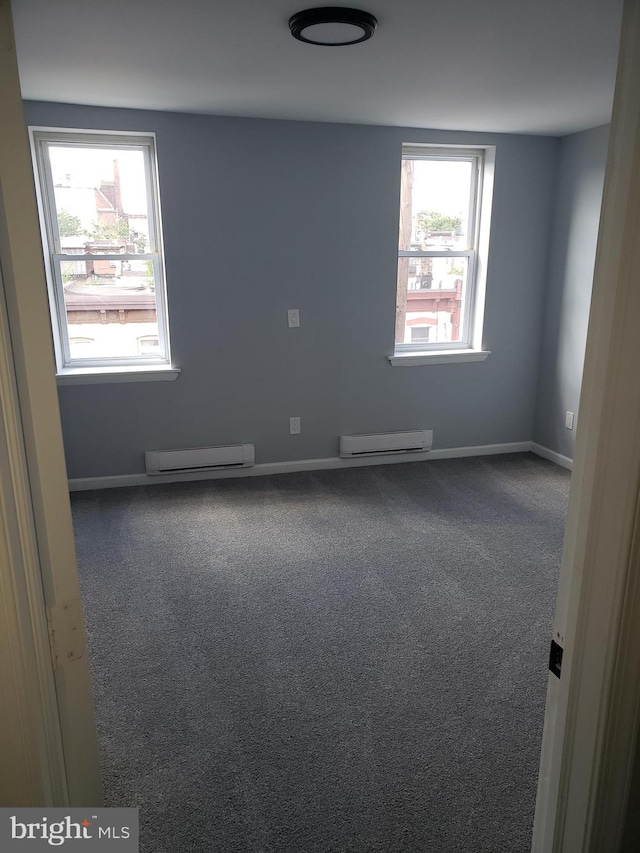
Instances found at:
x=439 y=236
x=100 y=220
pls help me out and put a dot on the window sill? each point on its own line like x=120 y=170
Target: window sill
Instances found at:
x=415 y=359
x=102 y=375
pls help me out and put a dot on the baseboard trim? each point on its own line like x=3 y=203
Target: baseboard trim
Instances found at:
x=481 y=450
x=82 y=484
x=558 y=458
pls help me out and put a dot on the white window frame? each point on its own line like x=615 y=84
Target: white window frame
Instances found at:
x=470 y=345
x=41 y=138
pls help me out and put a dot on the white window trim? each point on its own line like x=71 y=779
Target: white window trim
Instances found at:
x=416 y=359
x=103 y=375
x=471 y=348
x=139 y=367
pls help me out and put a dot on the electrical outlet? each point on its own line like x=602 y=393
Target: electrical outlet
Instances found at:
x=294 y=426
x=293 y=315
x=568 y=420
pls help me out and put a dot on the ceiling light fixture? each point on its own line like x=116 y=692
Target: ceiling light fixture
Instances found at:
x=332 y=26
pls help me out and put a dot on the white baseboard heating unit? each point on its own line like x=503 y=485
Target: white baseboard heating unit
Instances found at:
x=200 y=459
x=379 y=443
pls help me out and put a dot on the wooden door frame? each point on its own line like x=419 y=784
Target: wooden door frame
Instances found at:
x=593 y=710
x=32 y=769
x=47 y=668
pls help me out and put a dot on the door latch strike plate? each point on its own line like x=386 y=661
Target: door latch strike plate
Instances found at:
x=66 y=634
x=555 y=658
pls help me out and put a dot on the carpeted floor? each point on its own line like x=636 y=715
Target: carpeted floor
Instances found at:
x=348 y=661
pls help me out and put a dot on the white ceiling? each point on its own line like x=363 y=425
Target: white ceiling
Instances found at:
x=530 y=66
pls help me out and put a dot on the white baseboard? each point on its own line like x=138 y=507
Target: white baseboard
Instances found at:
x=88 y=483
x=481 y=450
x=558 y=458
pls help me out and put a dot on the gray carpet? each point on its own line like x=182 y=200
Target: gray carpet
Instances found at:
x=349 y=661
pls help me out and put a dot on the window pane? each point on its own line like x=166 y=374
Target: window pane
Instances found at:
x=100 y=199
x=110 y=305
x=431 y=295
x=420 y=334
x=436 y=204
x=148 y=345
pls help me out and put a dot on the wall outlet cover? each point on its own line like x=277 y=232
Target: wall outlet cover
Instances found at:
x=293 y=317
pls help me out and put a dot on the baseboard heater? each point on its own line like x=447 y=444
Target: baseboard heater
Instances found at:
x=380 y=443
x=200 y=459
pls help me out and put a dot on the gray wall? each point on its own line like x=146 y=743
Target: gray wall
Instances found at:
x=260 y=216
x=571 y=263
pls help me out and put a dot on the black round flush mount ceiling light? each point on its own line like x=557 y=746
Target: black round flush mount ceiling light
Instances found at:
x=332 y=26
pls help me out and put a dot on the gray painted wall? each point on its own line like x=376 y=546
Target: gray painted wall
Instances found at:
x=260 y=216
x=571 y=264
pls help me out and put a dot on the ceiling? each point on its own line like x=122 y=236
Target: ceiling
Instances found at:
x=540 y=66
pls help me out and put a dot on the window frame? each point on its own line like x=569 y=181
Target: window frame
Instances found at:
x=480 y=199
x=54 y=257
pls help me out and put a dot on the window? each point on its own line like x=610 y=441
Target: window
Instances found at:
x=439 y=303
x=80 y=346
x=100 y=221
x=420 y=334
x=148 y=345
